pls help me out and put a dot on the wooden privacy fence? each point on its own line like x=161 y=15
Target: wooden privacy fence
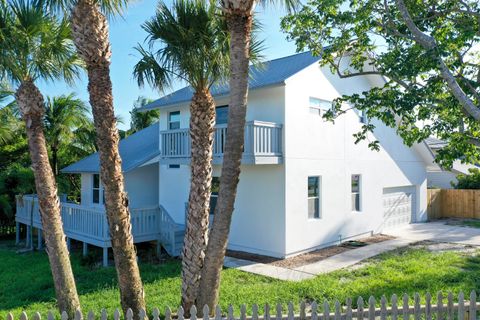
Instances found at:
x=453 y=203
x=443 y=308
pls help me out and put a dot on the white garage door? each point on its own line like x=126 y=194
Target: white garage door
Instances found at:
x=398 y=206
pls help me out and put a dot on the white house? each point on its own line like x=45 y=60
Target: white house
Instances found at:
x=304 y=183
x=438 y=177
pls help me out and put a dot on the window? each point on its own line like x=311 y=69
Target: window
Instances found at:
x=97 y=190
x=214 y=196
x=174 y=120
x=356 y=192
x=319 y=106
x=313 y=197
x=173 y=166
x=221 y=115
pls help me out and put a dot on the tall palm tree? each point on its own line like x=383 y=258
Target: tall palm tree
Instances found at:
x=239 y=16
x=141 y=120
x=63 y=116
x=90 y=34
x=36 y=46
x=193 y=47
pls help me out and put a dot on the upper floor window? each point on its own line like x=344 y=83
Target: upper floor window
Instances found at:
x=221 y=115
x=174 y=120
x=356 y=192
x=97 y=190
x=319 y=106
x=313 y=197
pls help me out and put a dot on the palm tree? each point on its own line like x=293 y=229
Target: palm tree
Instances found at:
x=63 y=116
x=193 y=48
x=239 y=16
x=90 y=35
x=36 y=46
x=142 y=119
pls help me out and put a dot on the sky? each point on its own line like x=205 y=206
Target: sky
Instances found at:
x=126 y=33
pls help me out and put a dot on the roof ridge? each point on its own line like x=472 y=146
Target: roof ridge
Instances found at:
x=286 y=57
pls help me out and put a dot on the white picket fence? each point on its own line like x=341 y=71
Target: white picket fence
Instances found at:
x=371 y=310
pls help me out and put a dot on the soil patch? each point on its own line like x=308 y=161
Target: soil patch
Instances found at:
x=309 y=257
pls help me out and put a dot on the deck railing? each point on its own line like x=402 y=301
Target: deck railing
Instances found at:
x=261 y=139
x=89 y=224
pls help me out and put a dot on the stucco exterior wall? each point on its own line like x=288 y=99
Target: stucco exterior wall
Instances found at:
x=441 y=179
x=259 y=221
x=314 y=147
x=141 y=185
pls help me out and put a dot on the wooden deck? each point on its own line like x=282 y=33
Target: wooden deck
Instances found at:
x=89 y=225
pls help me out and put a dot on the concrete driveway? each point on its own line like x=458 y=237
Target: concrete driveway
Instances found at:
x=437 y=231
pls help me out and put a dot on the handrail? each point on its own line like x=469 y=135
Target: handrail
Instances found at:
x=262 y=138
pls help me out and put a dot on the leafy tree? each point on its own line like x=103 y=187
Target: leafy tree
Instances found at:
x=427 y=53
x=190 y=43
x=36 y=46
x=14 y=180
x=468 y=181
x=141 y=120
x=64 y=115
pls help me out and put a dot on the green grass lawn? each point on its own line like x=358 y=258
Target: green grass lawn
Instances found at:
x=26 y=284
x=471 y=223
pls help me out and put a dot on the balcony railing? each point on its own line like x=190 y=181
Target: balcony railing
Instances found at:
x=263 y=144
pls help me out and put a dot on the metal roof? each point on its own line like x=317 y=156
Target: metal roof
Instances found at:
x=135 y=150
x=269 y=73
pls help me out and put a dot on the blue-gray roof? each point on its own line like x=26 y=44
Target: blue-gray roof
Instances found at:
x=270 y=73
x=135 y=150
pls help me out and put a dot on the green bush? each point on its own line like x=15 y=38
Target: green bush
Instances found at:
x=15 y=179
x=468 y=181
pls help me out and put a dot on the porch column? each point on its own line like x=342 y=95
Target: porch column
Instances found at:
x=85 y=249
x=158 y=248
x=17 y=233
x=40 y=239
x=29 y=235
x=105 y=257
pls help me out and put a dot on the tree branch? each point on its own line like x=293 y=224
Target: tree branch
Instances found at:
x=429 y=43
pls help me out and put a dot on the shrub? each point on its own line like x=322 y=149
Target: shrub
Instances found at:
x=468 y=181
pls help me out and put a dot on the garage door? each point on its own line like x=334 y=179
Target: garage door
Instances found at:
x=398 y=206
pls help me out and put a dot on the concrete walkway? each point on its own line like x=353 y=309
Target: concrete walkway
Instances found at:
x=434 y=231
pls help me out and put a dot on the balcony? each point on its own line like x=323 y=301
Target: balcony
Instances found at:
x=263 y=144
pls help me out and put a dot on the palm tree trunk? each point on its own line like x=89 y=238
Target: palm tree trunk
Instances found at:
x=202 y=120
x=240 y=27
x=30 y=102
x=90 y=34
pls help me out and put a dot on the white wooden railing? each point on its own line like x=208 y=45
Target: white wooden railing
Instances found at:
x=89 y=224
x=261 y=139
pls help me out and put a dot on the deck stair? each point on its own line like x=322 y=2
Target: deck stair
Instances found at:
x=171 y=233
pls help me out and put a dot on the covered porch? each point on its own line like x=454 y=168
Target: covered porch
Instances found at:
x=89 y=225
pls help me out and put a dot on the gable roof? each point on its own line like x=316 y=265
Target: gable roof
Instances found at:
x=273 y=72
x=135 y=150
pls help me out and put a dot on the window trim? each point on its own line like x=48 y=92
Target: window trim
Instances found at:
x=360 y=202
x=318 y=197
x=169 y=122
x=321 y=111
